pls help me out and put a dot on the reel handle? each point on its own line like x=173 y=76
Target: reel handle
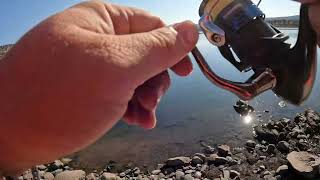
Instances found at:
x=256 y=85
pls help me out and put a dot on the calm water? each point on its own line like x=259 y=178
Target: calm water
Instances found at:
x=193 y=110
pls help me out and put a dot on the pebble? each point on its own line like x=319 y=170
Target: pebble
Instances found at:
x=198 y=174
x=178 y=161
x=304 y=163
x=282 y=170
x=155 y=172
x=68 y=175
x=224 y=150
x=57 y=164
x=48 y=176
x=283 y=146
x=108 y=176
x=234 y=174
x=188 y=177
x=196 y=160
x=189 y=171
x=91 y=176
x=251 y=144
x=179 y=175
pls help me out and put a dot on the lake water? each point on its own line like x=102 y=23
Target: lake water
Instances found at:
x=193 y=110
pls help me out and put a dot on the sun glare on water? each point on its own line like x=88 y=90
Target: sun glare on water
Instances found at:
x=247 y=119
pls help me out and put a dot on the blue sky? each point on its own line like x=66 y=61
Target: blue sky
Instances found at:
x=18 y=16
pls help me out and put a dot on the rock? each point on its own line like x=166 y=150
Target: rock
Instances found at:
x=303 y=146
x=197 y=160
x=198 y=174
x=42 y=167
x=108 y=176
x=188 y=177
x=224 y=150
x=48 y=176
x=270 y=136
x=28 y=176
x=200 y=155
x=283 y=146
x=57 y=164
x=242 y=108
x=167 y=171
x=179 y=175
x=178 y=161
x=155 y=172
x=190 y=171
x=56 y=172
x=282 y=170
x=234 y=174
x=91 y=176
x=251 y=144
x=71 y=175
x=226 y=174
x=271 y=149
x=216 y=160
x=66 y=161
x=302 y=136
x=304 y=163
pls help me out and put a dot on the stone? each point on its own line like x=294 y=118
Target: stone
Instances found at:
x=271 y=149
x=282 y=170
x=28 y=176
x=56 y=172
x=179 y=175
x=226 y=174
x=216 y=160
x=197 y=160
x=200 y=155
x=57 y=164
x=66 y=161
x=251 y=144
x=197 y=174
x=178 y=161
x=270 y=136
x=302 y=136
x=167 y=171
x=91 y=176
x=188 y=177
x=48 y=176
x=71 y=175
x=108 y=176
x=283 y=146
x=156 y=172
x=42 y=167
x=190 y=171
x=304 y=163
x=234 y=174
x=224 y=150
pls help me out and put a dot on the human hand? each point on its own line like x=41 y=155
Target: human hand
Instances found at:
x=71 y=78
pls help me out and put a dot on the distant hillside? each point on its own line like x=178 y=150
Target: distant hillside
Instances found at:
x=288 y=21
x=4 y=49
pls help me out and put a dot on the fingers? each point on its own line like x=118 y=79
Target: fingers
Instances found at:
x=148 y=54
x=184 y=67
x=142 y=107
x=132 y=20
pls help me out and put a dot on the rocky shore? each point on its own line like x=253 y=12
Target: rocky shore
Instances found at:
x=282 y=149
x=4 y=49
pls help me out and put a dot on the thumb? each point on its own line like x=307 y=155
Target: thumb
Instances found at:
x=151 y=53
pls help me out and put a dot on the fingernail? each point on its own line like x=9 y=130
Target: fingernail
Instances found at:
x=187 y=30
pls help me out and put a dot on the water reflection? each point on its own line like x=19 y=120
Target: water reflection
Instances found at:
x=193 y=110
x=247 y=119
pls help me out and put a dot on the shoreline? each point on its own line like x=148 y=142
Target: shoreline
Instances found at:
x=282 y=149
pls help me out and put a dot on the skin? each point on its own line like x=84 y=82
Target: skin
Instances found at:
x=73 y=76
